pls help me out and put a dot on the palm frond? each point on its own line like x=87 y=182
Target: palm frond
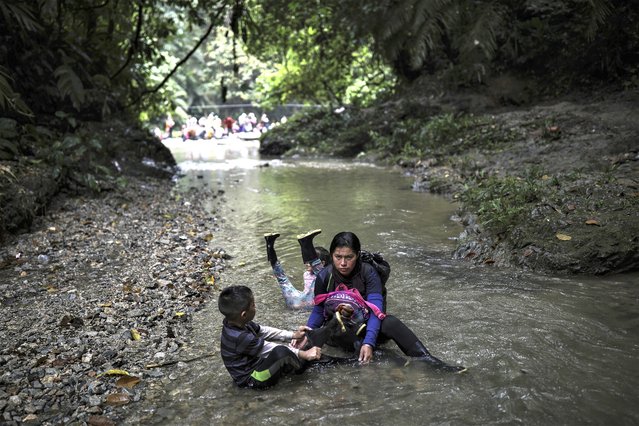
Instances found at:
x=20 y=14
x=599 y=11
x=9 y=99
x=482 y=34
x=414 y=27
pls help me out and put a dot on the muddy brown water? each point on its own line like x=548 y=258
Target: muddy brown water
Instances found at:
x=540 y=349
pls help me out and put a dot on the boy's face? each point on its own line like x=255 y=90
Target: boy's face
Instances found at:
x=250 y=312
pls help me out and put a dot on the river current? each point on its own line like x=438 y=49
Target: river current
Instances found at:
x=540 y=349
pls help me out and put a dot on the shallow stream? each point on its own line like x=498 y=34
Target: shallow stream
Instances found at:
x=540 y=349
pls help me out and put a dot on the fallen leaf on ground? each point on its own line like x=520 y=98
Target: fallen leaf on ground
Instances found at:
x=127 y=381
x=135 y=335
x=100 y=421
x=118 y=399
x=563 y=237
x=114 y=372
x=593 y=222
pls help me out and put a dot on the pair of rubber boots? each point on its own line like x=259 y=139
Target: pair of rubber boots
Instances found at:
x=306 y=243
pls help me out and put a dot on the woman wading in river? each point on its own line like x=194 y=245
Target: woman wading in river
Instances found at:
x=347 y=271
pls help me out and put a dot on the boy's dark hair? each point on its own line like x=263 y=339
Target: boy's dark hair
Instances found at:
x=234 y=299
x=323 y=255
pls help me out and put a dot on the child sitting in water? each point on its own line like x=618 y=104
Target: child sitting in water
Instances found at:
x=315 y=258
x=249 y=351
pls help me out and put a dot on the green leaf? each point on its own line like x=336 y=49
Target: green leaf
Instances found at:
x=8 y=128
x=70 y=142
x=10 y=100
x=69 y=84
x=9 y=146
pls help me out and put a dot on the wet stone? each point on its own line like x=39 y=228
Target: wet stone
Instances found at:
x=95 y=400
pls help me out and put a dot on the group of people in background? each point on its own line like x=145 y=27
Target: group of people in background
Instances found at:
x=212 y=126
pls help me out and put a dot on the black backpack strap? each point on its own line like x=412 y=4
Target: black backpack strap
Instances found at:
x=329 y=282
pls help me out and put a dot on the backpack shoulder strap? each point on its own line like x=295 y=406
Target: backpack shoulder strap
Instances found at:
x=330 y=282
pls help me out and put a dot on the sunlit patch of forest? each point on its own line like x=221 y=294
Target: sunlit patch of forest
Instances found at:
x=67 y=65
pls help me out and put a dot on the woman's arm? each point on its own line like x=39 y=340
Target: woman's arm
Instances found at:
x=373 y=295
x=316 y=319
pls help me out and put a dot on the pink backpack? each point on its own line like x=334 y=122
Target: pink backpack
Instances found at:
x=361 y=309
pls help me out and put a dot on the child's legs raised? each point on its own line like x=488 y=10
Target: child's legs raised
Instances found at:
x=270 y=247
x=293 y=297
x=316 y=266
x=306 y=245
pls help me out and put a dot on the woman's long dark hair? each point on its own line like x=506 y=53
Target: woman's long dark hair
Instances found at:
x=346 y=239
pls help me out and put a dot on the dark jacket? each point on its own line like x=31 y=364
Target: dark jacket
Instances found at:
x=365 y=279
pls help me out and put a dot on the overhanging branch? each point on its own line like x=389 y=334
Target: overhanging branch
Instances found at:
x=183 y=60
x=134 y=43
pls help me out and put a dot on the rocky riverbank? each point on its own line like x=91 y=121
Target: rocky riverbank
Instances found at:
x=552 y=187
x=96 y=300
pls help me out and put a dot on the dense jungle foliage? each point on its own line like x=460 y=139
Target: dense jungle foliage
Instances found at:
x=93 y=59
x=67 y=65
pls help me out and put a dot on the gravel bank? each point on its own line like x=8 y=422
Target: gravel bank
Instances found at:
x=97 y=295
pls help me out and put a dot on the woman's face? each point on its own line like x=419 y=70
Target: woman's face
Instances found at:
x=344 y=259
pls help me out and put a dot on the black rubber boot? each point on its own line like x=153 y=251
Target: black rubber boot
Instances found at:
x=270 y=247
x=420 y=353
x=319 y=336
x=306 y=243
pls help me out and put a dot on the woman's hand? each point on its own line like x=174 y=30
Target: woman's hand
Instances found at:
x=365 y=354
